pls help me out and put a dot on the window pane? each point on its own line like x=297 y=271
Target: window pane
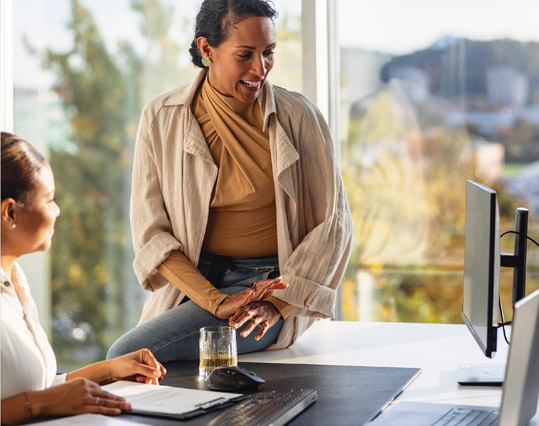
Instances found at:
x=432 y=94
x=83 y=71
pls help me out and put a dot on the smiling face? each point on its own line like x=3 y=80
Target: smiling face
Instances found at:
x=239 y=66
x=35 y=218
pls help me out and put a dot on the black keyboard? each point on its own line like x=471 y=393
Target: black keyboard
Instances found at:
x=468 y=417
x=274 y=408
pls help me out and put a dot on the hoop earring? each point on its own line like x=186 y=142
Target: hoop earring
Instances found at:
x=205 y=61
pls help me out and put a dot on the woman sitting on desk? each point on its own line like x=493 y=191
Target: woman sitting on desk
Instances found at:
x=236 y=194
x=30 y=386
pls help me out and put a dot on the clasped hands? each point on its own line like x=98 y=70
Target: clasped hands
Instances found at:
x=249 y=305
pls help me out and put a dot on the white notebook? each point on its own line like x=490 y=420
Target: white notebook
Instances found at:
x=169 y=401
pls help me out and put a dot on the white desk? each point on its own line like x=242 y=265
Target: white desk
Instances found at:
x=437 y=349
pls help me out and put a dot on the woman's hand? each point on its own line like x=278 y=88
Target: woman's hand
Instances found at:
x=140 y=366
x=261 y=314
x=77 y=396
x=262 y=290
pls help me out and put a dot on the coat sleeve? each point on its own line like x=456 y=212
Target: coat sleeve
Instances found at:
x=151 y=229
x=323 y=227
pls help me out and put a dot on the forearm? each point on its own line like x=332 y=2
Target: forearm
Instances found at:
x=187 y=278
x=15 y=410
x=100 y=372
x=27 y=406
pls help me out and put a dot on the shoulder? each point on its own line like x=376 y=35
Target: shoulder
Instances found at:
x=302 y=121
x=293 y=102
x=181 y=96
x=20 y=276
x=169 y=110
x=298 y=115
x=154 y=105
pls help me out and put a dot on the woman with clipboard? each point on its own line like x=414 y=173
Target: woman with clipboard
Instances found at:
x=30 y=386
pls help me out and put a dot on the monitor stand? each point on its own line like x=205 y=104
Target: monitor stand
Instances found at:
x=481 y=374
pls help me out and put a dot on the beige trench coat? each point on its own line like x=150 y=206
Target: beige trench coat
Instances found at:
x=173 y=178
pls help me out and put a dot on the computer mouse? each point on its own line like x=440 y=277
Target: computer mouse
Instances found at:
x=231 y=378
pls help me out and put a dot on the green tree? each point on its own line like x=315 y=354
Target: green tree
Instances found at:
x=405 y=170
x=94 y=291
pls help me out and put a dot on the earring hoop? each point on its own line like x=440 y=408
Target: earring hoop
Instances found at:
x=205 y=61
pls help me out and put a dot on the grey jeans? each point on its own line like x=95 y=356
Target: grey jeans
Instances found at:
x=174 y=335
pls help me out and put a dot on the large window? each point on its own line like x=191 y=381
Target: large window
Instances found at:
x=83 y=70
x=432 y=94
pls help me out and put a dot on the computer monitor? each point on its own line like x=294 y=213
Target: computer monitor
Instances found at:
x=482 y=266
x=482 y=262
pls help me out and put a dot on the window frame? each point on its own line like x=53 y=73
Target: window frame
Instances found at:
x=320 y=52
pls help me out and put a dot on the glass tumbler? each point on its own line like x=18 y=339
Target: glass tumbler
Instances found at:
x=217 y=348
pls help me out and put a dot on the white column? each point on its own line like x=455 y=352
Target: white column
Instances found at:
x=315 y=53
x=320 y=65
x=6 y=65
x=320 y=56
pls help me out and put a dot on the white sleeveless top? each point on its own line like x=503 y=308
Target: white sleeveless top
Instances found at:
x=28 y=361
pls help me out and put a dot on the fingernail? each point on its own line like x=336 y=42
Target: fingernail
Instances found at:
x=156 y=373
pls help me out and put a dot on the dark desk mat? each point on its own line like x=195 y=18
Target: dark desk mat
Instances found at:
x=346 y=395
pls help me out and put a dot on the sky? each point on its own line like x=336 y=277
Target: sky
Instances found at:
x=399 y=26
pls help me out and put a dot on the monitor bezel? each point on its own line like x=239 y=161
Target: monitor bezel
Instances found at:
x=479 y=193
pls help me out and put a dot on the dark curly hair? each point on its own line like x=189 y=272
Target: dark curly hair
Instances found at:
x=215 y=17
x=20 y=163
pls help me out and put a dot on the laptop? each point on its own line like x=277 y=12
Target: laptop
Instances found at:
x=520 y=388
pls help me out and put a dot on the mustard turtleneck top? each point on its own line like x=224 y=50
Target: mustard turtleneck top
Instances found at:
x=242 y=217
x=242 y=220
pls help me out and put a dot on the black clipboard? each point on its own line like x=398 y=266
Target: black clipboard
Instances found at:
x=147 y=400
x=203 y=408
